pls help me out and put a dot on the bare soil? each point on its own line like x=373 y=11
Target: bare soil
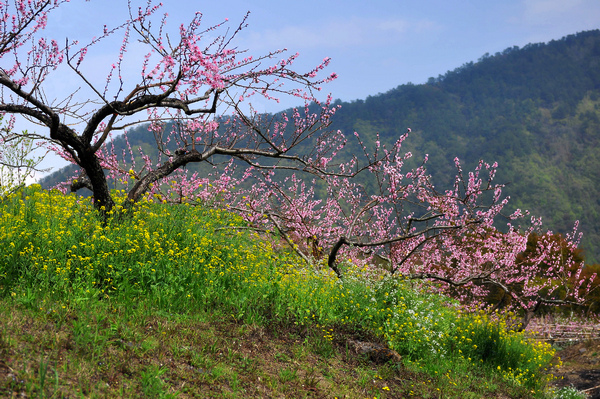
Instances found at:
x=580 y=368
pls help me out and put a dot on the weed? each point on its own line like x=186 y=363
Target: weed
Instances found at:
x=321 y=346
x=311 y=379
x=288 y=375
x=569 y=393
x=247 y=363
x=43 y=371
x=152 y=384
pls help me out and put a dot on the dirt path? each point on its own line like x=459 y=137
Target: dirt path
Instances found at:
x=581 y=368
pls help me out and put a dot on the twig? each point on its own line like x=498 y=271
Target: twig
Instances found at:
x=591 y=389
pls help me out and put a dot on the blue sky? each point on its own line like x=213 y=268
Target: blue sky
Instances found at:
x=374 y=45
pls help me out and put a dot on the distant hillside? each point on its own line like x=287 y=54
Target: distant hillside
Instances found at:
x=535 y=110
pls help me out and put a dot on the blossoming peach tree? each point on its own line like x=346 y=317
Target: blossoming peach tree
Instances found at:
x=193 y=90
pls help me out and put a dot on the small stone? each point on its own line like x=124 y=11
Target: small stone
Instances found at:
x=376 y=352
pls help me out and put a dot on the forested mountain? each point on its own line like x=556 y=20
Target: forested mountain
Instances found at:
x=535 y=110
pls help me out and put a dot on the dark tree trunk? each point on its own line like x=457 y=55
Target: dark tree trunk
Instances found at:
x=91 y=165
x=85 y=156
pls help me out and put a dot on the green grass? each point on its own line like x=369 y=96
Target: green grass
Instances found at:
x=176 y=301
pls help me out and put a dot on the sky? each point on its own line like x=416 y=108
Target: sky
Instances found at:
x=375 y=45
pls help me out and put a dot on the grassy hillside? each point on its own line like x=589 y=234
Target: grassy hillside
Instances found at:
x=181 y=301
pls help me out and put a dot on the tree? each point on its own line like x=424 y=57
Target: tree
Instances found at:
x=449 y=238
x=184 y=91
x=18 y=159
x=183 y=80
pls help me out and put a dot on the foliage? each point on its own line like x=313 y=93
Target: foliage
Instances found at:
x=18 y=160
x=569 y=393
x=185 y=260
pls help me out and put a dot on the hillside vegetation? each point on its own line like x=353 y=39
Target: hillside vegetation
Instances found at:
x=535 y=110
x=181 y=301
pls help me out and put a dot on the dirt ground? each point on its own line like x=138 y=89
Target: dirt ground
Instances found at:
x=581 y=367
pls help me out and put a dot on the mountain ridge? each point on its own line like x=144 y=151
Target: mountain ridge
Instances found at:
x=535 y=110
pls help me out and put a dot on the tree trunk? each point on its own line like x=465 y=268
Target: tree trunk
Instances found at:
x=91 y=165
